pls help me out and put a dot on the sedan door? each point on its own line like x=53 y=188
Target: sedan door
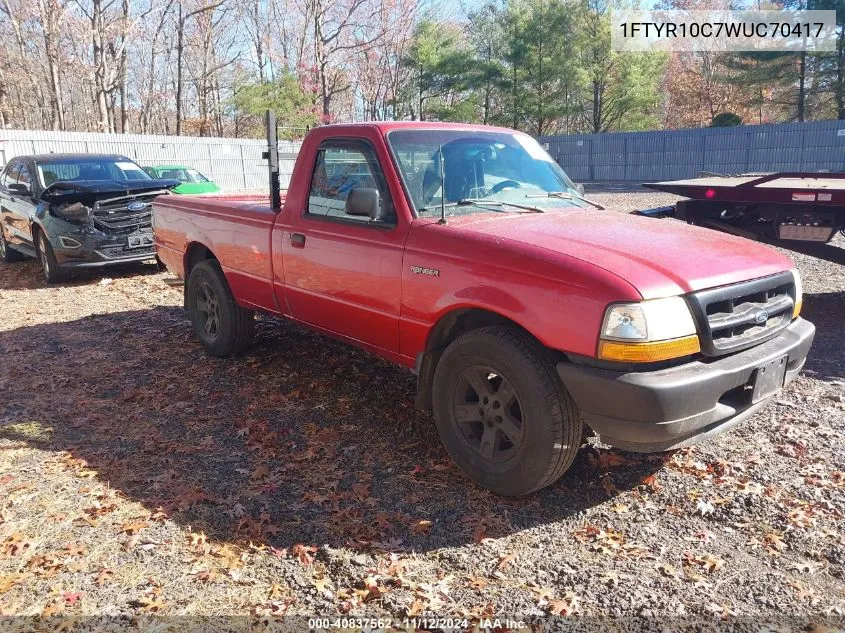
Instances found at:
x=16 y=203
x=22 y=205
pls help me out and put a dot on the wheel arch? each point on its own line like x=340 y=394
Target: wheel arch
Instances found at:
x=195 y=253
x=450 y=326
x=34 y=229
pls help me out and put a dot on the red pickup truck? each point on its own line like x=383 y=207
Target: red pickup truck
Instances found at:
x=465 y=254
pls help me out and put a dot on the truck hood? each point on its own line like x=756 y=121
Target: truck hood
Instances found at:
x=658 y=257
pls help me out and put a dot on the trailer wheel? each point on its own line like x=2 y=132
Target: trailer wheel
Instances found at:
x=223 y=327
x=502 y=412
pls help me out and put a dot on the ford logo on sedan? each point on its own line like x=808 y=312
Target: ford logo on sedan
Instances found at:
x=761 y=317
x=136 y=206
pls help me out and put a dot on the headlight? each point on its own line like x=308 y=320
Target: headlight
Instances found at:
x=74 y=211
x=799 y=293
x=648 y=331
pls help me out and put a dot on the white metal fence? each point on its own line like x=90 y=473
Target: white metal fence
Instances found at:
x=233 y=163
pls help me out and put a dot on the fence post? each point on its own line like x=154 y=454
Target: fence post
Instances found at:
x=243 y=165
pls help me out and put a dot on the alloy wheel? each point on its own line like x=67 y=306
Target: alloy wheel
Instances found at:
x=42 y=254
x=208 y=308
x=488 y=413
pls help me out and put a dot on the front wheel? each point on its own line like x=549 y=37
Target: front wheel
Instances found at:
x=53 y=274
x=502 y=412
x=223 y=327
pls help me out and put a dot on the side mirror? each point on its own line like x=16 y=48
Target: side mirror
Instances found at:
x=579 y=188
x=20 y=188
x=363 y=201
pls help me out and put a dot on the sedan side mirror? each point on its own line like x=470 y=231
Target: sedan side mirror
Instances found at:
x=579 y=187
x=20 y=188
x=363 y=201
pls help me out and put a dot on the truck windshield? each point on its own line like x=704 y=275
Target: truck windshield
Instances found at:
x=482 y=172
x=79 y=169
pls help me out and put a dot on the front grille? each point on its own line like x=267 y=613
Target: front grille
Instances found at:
x=735 y=317
x=116 y=251
x=114 y=216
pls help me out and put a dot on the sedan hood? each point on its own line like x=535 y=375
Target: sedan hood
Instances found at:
x=658 y=257
x=64 y=190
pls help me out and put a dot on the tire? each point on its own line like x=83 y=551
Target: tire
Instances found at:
x=7 y=254
x=223 y=327
x=541 y=416
x=53 y=274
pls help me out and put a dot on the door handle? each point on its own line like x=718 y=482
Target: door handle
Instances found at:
x=297 y=240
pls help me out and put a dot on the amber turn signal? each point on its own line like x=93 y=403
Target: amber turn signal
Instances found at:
x=649 y=352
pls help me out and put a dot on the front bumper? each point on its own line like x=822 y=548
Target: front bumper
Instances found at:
x=99 y=249
x=679 y=406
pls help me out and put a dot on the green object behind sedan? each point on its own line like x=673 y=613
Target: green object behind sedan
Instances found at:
x=192 y=181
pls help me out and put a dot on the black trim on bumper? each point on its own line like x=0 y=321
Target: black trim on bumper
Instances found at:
x=100 y=263
x=670 y=408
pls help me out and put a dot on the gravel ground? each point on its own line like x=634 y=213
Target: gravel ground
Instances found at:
x=141 y=477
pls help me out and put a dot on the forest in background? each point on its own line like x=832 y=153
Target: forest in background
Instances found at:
x=211 y=67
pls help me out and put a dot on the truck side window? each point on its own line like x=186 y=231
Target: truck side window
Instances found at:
x=338 y=170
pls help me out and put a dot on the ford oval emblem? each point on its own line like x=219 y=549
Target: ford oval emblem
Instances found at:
x=761 y=317
x=136 y=206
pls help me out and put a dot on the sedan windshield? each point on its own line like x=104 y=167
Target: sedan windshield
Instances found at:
x=182 y=174
x=481 y=172
x=80 y=169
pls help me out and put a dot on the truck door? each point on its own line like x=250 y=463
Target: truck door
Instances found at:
x=343 y=272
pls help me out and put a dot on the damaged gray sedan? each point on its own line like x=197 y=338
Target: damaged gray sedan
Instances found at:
x=77 y=211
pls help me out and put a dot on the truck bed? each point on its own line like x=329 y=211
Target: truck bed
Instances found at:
x=237 y=228
x=825 y=189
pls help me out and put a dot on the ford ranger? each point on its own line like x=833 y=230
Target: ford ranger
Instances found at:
x=465 y=254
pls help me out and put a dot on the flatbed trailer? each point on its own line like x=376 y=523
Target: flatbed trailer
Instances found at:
x=786 y=208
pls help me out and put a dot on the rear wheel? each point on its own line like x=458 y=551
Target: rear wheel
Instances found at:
x=7 y=254
x=503 y=413
x=53 y=274
x=223 y=327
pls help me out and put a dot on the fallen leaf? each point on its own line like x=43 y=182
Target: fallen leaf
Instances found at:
x=261 y=472
x=504 y=561
x=305 y=553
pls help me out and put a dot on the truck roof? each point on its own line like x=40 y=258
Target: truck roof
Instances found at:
x=388 y=126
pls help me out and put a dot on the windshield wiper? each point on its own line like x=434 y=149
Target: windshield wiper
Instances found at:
x=565 y=195
x=481 y=202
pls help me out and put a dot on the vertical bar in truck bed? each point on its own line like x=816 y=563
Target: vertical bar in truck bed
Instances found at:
x=273 y=161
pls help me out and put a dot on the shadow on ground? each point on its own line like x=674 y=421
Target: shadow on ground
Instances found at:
x=302 y=440
x=26 y=275
x=827 y=356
